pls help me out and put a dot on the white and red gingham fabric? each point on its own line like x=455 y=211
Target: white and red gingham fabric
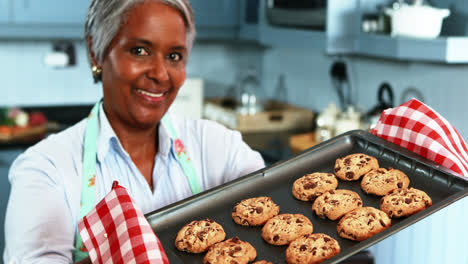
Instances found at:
x=417 y=127
x=116 y=231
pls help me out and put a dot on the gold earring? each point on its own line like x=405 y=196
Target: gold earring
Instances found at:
x=97 y=71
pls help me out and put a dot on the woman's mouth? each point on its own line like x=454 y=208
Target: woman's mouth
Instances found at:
x=155 y=95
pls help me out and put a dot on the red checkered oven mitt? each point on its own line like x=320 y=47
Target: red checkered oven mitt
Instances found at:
x=417 y=127
x=116 y=231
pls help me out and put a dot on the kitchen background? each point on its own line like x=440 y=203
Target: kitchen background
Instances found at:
x=239 y=37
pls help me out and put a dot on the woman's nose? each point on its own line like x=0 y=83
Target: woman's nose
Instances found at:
x=158 y=70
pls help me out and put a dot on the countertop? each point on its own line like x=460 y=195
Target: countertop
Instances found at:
x=61 y=117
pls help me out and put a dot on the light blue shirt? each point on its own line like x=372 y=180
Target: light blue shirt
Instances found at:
x=44 y=205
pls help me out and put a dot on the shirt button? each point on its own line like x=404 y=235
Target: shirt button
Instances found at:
x=13 y=261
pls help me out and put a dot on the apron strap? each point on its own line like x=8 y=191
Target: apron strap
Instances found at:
x=182 y=156
x=88 y=192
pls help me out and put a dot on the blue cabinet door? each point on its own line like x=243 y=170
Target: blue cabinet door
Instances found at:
x=216 y=19
x=4 y=11
x=49 y=11
x=216 y=13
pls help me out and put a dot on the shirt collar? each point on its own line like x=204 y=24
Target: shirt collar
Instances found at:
x=107 y=138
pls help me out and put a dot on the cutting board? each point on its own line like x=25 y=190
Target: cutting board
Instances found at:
x=16 y=133
x=301 y=142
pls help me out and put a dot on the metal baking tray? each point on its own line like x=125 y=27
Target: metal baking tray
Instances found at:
x=276 y=181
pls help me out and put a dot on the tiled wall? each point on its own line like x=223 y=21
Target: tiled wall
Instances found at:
x=26 y=80
x=445 y=87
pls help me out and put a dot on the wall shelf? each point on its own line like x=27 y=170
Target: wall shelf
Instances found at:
x=344 y=37
x=439 y=50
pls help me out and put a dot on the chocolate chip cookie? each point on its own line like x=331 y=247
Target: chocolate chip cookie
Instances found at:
x=334 y=204
x=198 y=236
x=362 y=223
x=232 y=250
x=404 y=202
x=310 y=186
x=284 y=228
x=254 y=211
x=382 y=181
x=352 y=167
x=312 y=249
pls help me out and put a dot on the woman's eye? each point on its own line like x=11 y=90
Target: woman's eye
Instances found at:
x=139 y=51
x=175 y=56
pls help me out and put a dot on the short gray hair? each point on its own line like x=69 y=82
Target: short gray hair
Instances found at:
x=105 y=17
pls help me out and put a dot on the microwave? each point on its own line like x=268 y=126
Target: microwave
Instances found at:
x=297 y=13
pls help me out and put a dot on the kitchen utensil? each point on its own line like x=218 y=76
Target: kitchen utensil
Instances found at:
x=341 y=83
x=349 y=120
x=411 y=92
x=420 y=21
x=326 y=121
x=384 y=101
x=276 y=181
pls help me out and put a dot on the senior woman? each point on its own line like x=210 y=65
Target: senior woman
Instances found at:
x=139 y=50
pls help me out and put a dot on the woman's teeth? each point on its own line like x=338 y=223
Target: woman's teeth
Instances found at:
x=156 y=95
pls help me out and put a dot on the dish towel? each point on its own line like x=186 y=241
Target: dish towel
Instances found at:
x=417 y=127
x=116 y=231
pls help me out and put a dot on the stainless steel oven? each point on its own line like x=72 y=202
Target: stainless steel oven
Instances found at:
x=297 y=13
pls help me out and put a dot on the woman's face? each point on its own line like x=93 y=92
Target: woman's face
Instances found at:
x=144 y=66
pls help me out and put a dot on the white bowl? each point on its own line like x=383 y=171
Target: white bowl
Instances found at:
x=417 y=21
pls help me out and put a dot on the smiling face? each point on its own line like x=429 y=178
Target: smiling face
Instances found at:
x=144 y=66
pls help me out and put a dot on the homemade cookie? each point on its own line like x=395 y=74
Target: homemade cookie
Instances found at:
x=232 y=250
x=198 y=236
x=254 y=211
x=382 y=181
x=334 y=204
x=352 y=167
x=310 y=186
x=362 y=223
x=311 y=249
x=262 y=262
x=404 y=202
x=284 y=228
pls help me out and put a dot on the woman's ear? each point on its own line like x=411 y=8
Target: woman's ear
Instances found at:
x=91 y=52
x=95 y=68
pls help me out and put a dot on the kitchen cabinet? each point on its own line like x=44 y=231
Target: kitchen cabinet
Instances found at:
x=42 y=19
x=64 y=19
x=33 y=12
x=249 y=20
x=344 y=36
x=7 y=156
x=291 y=37
x=216 y=19
x=49 y=19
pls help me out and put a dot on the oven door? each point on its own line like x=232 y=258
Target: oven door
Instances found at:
x=297 y=13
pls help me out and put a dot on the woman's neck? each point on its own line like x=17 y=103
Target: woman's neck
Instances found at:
x=141 y=144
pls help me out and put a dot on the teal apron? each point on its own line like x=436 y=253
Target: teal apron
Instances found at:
x=88 y=192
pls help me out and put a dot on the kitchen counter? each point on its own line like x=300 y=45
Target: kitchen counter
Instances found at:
x=61 y=117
